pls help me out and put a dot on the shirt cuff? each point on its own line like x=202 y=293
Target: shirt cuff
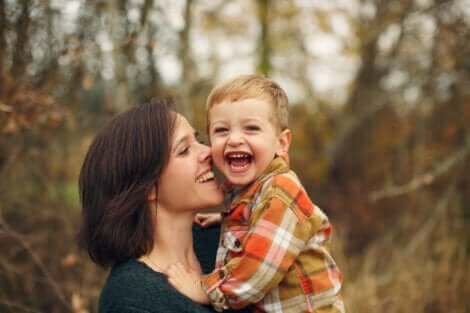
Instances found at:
x=211 y=285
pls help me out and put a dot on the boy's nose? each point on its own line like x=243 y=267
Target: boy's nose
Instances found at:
x=235 y=139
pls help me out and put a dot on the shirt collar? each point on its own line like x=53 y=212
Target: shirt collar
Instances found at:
x=236 y=196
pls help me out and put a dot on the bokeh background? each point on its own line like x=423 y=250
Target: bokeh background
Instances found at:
x=380 y=111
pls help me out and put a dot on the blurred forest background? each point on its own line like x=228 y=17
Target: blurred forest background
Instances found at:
x=380 y=112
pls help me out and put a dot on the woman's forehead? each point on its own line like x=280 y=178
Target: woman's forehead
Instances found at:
x=182 y=123
x=183 y=128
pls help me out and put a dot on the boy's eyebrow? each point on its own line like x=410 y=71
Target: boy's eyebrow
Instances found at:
x=250 y=118
x=212 y=121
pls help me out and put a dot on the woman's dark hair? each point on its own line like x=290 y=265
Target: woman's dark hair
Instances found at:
x=122 y=165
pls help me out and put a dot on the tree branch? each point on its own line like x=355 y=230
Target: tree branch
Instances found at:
x=428 y=226
x=35 y=258
x=424 y=179
x=17 y=306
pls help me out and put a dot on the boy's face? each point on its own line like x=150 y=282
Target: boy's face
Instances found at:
x=244 y=140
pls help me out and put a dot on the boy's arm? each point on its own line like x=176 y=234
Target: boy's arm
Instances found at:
x=268 y=251
x=273 y=243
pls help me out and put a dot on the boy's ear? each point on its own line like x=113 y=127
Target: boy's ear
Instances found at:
x=152 y=196
x=285 y=138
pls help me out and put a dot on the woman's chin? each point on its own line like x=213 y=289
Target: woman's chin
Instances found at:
x=215 y=200
x=209 y=195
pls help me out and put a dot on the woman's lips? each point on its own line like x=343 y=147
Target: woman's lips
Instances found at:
x=205 y=177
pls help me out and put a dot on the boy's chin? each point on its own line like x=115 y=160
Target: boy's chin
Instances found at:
x=238 y=181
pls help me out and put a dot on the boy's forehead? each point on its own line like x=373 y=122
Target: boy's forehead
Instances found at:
x=251 y=101
x=229 y=106
x=232 y=105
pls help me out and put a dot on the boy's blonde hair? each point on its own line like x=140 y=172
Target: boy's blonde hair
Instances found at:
x=253 y=87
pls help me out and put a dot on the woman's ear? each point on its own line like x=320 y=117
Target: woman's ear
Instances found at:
x=285 y=138
x=152 y=196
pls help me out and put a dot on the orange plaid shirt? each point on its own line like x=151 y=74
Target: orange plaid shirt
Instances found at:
x=273 y=250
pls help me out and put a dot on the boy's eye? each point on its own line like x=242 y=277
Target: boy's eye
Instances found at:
x=252 y=127
x=219 y=130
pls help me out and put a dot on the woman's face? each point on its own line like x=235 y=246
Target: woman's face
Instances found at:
x=187 y=183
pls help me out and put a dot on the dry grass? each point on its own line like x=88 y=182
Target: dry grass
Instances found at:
x=426 y=272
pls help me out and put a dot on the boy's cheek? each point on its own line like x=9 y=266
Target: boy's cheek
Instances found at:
x=214 y=151
x=216 y=147
x=217 y=152
x=218 y=161
x=217 y=158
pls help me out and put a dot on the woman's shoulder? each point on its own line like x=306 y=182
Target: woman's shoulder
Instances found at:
x=133 y=274
x=133 y=287
x=129 y=284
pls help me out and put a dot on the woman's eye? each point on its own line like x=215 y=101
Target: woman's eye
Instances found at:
x=184 y=151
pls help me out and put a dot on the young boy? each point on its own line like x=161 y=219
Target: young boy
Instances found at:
x=273 y=254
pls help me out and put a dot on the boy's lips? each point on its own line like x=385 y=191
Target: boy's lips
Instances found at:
x=238 y=161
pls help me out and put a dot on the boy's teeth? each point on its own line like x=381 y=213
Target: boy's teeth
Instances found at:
x=239 y=155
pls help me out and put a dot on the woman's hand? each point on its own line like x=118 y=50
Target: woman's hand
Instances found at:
x=188 y=282
x=207 y=219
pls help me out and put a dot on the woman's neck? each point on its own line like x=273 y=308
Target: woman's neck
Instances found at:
x=173 y=241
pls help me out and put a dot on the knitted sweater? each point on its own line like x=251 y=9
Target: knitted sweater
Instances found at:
x=133 y=287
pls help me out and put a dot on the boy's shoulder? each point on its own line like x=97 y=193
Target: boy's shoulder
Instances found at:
x=286 y=183
x=287 y=188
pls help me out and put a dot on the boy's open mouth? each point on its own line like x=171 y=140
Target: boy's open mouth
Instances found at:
x=238 y=161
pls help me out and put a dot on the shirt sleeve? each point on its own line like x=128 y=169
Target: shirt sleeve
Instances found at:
x=274 y=240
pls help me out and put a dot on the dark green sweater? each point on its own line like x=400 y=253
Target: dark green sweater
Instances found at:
x=133 y=287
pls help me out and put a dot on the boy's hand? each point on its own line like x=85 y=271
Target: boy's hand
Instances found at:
x=188 y=282
x=207 y=219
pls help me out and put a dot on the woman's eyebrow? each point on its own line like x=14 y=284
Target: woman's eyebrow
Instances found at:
x=180 y=140
x=185 y=138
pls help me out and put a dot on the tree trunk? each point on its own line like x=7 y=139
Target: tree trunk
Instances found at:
x=264 y=48
x=20 y=57
x=121 y=90
x=3 y=42
x=187 y=74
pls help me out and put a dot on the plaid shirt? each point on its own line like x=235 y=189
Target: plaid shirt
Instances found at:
x=273 y=250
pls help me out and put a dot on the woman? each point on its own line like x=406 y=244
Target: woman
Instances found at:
x=143 y=179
